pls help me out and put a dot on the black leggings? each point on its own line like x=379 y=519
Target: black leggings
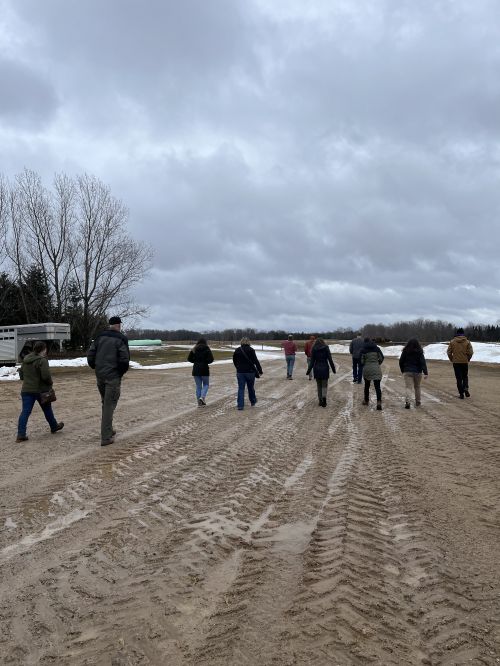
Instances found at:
x=378 y=390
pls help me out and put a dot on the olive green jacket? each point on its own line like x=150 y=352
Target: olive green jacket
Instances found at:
x=35 y=373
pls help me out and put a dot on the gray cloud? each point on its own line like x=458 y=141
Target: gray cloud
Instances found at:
x=300 y=166
x=27 y=99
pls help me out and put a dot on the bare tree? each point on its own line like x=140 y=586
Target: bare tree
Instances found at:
x=106 y=261
x=47 y=219
x=4 y=204
x=73 y=239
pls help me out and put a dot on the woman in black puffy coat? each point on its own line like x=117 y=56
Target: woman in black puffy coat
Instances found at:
x=412 y=364
x=201 y=356
x=320 y=364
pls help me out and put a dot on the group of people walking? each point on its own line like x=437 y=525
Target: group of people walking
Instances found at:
x=109 y=356
x=367 y=358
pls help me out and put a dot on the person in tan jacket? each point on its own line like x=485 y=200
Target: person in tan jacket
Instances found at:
x=460 y=353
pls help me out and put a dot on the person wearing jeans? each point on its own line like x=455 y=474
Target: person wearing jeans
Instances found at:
x=36 y=377
x=412 y=364
x=247 y=369
x=202 y=383
x=29 y=400
x=290 y=349
x=201 y=356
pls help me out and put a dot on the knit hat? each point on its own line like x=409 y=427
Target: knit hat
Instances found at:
x=460 y=331
x=114 y=320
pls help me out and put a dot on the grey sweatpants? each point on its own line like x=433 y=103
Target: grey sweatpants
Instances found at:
x=110 y=394
x=412 y=384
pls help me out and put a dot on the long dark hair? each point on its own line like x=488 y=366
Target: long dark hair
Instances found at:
x=201 y=343
x=413 y=345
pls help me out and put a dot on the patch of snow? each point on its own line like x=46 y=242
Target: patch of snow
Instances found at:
x=485 y=352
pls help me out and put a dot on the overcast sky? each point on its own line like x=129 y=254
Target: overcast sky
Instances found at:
x=296 y=164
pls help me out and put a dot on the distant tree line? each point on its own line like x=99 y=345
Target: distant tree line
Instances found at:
x=65 y=254
x=425 y=330
x=228 y=334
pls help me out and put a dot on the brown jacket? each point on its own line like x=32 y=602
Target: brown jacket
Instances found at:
x=460 y=350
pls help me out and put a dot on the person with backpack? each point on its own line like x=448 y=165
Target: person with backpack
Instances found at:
x=37 y=380
x=412 y=364
x=320 y=364
x=460 y=353
x=201 y=356
x=290 y=349
x=247 y=369
x=371 y=359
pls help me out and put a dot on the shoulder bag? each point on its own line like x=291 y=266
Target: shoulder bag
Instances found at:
x=47 y=397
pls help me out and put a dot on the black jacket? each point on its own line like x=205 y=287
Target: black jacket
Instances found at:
x=412 y=361
x=200 y=356
x=321 y=358
x=109 y=355
x=243 y=364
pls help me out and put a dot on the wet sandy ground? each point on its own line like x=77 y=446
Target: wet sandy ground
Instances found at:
x=283 y=534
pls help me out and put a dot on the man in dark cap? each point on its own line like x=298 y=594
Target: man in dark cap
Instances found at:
x=109 y=356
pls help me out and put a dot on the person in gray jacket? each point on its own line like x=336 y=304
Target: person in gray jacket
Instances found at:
x=109 y=356
x=355 y=348
x=371 y=359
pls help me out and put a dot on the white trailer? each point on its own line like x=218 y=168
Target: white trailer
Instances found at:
x=13 y=339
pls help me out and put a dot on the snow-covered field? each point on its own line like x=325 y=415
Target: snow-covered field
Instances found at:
x=486 y=352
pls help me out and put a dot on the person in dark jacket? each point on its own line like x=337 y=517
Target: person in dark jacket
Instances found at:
x=247 y=369
x=35 y=373
x=201 y=356
x=355 y=347
x=321 y=360
x=371 y=360
x=109 y=356
x=412 y=364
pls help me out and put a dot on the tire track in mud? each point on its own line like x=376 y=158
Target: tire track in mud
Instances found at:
x=278 y=535
x=475 y=444
x=241 y=627
x=191 y=488
x=374 y=575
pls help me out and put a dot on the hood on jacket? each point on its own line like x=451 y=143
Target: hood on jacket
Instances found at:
x=461 y=339
x=31 y=358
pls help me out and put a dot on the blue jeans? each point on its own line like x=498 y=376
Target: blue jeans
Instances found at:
x=29 y=400
x=290 y=362
x=357 y=370
x=202 y=384
x=246 y=379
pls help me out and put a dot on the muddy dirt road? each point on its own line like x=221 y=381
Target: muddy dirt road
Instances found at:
x=283 y=534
